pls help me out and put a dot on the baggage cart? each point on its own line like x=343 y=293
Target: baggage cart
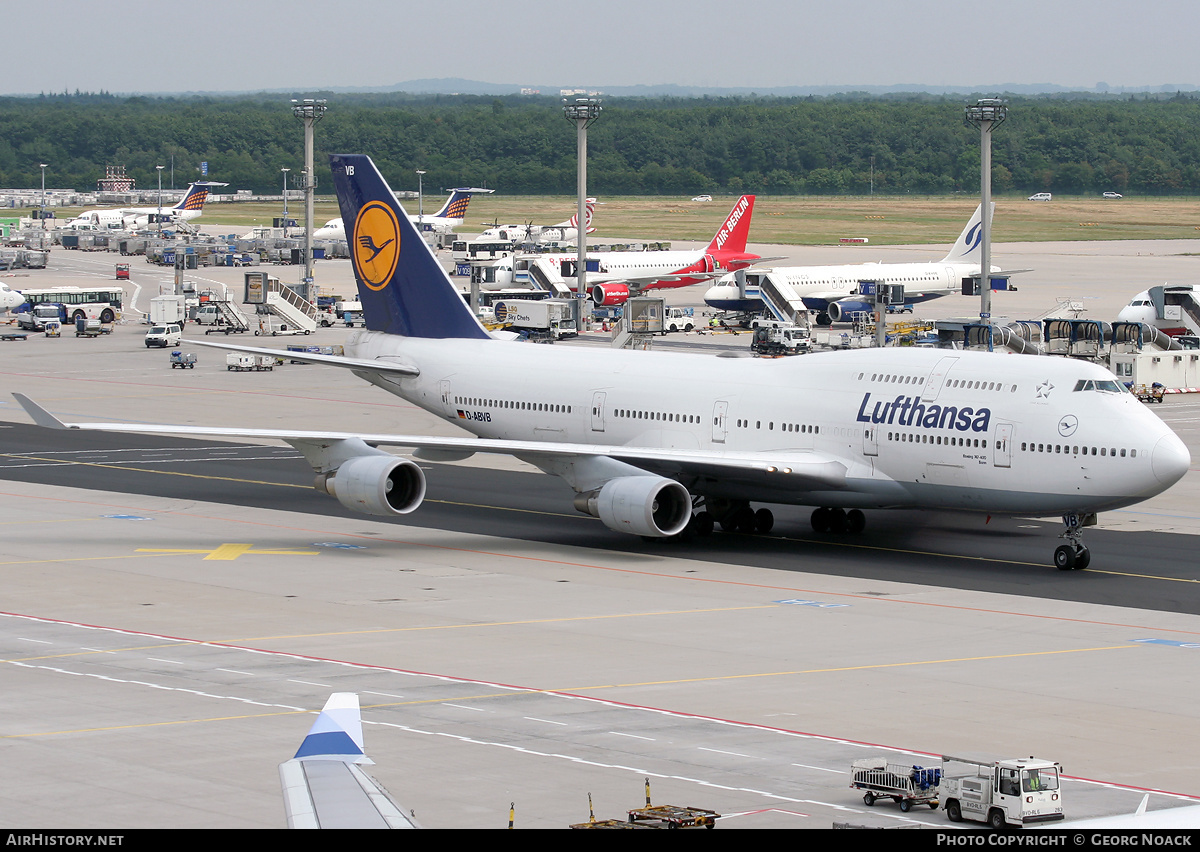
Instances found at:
x=239 y=362
x=906 y=785
x=183 y=360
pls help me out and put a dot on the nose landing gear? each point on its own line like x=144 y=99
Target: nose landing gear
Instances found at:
x=1074 y=556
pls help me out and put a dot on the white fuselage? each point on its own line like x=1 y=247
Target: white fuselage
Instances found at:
x=335 y=229
x=9 y=298
x=921 y=281
x=129 y=216
x=913 y=427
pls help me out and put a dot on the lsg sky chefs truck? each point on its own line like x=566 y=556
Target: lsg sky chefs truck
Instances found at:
x=1002 y=792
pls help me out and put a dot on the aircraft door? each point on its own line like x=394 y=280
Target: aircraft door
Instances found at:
x=871 y=439
x=598 y=411
x=933 y=384
x=1002 y=451
x=447 y=403
x=720 y=426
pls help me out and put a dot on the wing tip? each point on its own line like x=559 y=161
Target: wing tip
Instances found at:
x=40 y=416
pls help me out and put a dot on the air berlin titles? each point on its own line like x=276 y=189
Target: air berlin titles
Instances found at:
x=731 y=222
x=910 y=411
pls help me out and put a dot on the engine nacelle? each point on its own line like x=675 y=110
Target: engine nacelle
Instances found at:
x=610 y=295
x=640 y=505
x=376 y=485
x=841 y=311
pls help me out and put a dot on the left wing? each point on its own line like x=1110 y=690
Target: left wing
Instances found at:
x=803 y=469
x=323 y=786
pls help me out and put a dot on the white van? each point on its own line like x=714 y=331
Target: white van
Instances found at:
x=163 y=336
x=1041 y=196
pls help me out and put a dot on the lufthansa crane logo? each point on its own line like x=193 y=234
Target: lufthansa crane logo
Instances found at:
x=376 y=244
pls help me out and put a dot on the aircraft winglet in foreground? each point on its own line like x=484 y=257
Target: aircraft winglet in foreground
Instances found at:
x=656 y=444
x=323 y=786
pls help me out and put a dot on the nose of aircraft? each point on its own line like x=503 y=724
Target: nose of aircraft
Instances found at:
x=1170 y=459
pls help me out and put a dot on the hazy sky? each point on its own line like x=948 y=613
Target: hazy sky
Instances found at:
x=226 y=45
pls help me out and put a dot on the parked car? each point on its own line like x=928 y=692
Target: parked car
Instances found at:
x=702 y=198
x=1112 y=195
x=1040 y=196
x=164 y=336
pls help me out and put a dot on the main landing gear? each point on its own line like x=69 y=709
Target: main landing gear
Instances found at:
x=1074 y=555
x=731 y=515
x=826 y=520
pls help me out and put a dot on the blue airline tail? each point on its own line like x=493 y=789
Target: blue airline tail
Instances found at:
x=402 y=286
x=456 y=205
x=194 y=200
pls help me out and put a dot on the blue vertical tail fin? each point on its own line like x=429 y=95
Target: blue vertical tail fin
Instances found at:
x=966 y=249
x=403 y=288
x=456 y=205
x=197 y=194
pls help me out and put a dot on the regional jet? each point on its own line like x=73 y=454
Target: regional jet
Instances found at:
x=659 y=444
x=190 y=207
x=833 y=291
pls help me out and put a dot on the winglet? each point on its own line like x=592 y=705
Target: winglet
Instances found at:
x=40 y=416
x=337 y=733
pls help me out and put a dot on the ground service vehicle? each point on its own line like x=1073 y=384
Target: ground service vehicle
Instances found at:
x=36 y=319
x=102 y=303
x=164 y=335
x=906 y=785
x=1019 y=791
x=775 y=340
x=165 y=310
x=547 y=316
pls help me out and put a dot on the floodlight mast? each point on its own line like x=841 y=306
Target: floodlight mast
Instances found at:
x=583 y=111
x=309 y=111
x=986 y=114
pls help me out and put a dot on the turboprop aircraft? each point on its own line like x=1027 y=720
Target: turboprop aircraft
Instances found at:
x=657 y=444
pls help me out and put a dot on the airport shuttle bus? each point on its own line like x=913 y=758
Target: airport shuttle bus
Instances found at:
x=99 y=303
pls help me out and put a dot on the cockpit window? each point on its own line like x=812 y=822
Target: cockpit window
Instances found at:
x=1106 y=385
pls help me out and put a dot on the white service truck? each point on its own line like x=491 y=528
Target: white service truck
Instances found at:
x=546 y=317
x=780 y=339
x=1019 y=791
x=165 y=310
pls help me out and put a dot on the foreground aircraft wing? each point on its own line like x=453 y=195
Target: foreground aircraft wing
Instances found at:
x=802 y=469
x=323 y=786
x=362 y=365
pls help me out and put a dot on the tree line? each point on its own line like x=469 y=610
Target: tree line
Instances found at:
x=671 y=146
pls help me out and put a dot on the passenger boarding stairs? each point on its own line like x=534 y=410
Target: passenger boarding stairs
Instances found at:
x=777 y=295
x=538 y=273
x=1177 y=304
x=232 y=318
x=295 y=310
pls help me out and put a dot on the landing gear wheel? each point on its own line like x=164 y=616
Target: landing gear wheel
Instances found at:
x=820 y=520
x=1083 y=558
x=823 y=319
x=856 y=521
x=837 y=521
x=704 y=524
x=764 y=521
x=744 y=520
x=1064 y=557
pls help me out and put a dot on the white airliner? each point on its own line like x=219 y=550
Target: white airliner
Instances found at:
x=9 y=298
x=563 y=232
x=616 y=275
x=445 y=220
x=648 y=438
x=189 y=207
x=832 y=291
x=1171 y=308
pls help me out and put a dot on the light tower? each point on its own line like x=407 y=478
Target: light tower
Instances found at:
x=986 y=114
x=159 y=168
x=43 y=216
x=309 y=111
x=583 y=111
x=285 y=213
x=421 y=202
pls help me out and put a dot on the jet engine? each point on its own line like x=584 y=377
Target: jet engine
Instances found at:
x=841 y=311
x=639 y=505
x=610 y=295
x=375 y=485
